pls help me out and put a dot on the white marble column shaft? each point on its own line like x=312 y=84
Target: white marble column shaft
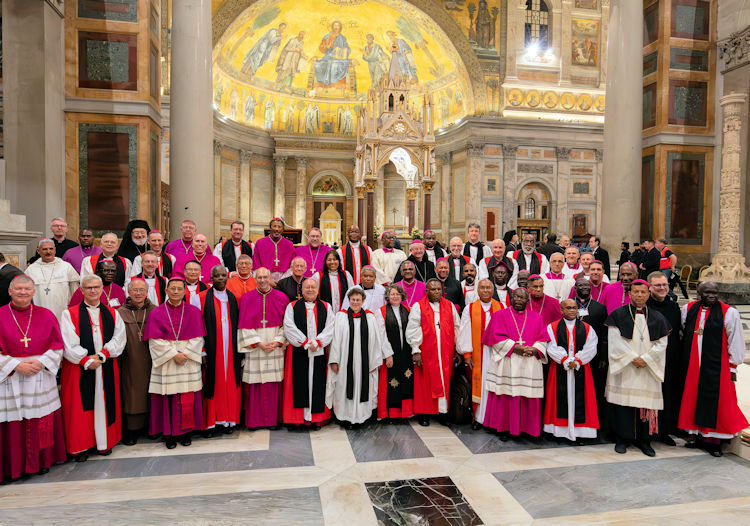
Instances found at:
x=474 y=184
x=300 y=208
x=621 y=180
x=191 y=172
x=279 y=200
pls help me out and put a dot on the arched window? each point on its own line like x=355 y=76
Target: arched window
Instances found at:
x=530 y=208
x=537 y=24
x=390 y=102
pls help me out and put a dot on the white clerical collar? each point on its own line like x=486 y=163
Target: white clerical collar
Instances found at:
x=309 y=304
x=152 y=278
x=92 y=307
x=487 y=305
x=569 y=323
x=435 y=304
x=49 y=262
x=221 y=294
x=193 y=286
x=501 y=287
x=352 y=243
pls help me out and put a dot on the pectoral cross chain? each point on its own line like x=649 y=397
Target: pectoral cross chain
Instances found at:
x=263 y=322
x=276 y=261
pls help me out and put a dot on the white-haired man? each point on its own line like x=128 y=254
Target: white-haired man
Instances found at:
x=55 y=280
x=109 y=244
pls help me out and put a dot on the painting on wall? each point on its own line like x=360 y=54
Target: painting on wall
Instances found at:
x=478 y=20
x=585 y=42
x=587 y=4
x=329 y=185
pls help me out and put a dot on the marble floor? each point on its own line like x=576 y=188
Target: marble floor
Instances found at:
x=399 y=474
x=387 y=474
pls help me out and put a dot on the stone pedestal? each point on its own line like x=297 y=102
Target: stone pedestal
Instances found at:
x=728 y=267
x=191 y=171
x=14 y=238
x=621 y=184
x=34 y=120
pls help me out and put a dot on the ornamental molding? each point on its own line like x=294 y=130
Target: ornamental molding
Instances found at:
x=734 y=51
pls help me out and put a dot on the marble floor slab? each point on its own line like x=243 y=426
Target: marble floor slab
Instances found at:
x=286 y=448
x=596 y=488
x=432 y=501
x=483 y=441
x=381 y=441
x=279 y=507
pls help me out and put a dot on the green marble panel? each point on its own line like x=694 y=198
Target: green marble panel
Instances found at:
x=107 y=61
x=116 y=10
x=688 y=59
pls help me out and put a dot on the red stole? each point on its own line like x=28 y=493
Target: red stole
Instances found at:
x=430 y=362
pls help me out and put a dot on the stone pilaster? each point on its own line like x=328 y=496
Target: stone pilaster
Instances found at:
x=562 y=217
x=509 y=187
x=474 y=184
x=728 y=264
x=246 y=156
x=445 y=210
x=216 y=219
x=278 y=188
x=191 y=116
x=300 y=208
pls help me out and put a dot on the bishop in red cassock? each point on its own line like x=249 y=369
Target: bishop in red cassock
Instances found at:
x=274 y=251
x=94 y=336
x=431 y=333
x=31 y=349
x=223 y=368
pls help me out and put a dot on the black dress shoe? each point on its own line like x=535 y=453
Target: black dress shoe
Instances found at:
x=208 y=433
x=443 y=420
x=668 y=440
x=106 y=453
x=621 y=447
x=129 y=441
x=227 y=430
x=171 y=443
x=43 y=471
x=186 y=441
x=504 y=436
x=423 y=421
x=476 y=426
x=646 y=448
x=714 y=449
x=83 y=457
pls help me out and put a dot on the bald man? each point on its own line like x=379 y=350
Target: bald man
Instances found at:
x=109 y=244
x=497 y=248
x=202 y=255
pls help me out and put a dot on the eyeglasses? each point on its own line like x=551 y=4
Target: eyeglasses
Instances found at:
x=659 y=286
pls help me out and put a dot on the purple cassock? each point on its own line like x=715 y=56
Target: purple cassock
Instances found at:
x=178 y=247
x=263 y=400
x=314 y=257
x=175 y=414
x=208 y=262
x=31 y=424
x=414 y=291
x=76 y=255
x=547 y=307
x=613 y=297
x=597 y=291
x=275 y=256
x=514 y=414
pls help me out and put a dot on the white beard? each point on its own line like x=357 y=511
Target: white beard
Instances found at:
x=140 y=242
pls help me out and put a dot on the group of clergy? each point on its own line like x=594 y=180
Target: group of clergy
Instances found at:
x=169 y=340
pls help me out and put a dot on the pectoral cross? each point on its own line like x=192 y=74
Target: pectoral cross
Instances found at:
x=699 y=331
x=520 y=341
x=46 y=291
x=263 y=322
x=276 y=261
x=200 y=277
x=25 y=340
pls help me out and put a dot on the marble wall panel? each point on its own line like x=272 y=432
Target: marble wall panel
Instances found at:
x=649 y=106
x=260 y=195
x=107 y=61
x=115 y=10
x=687 y=102
x=650 y=63
x=459 y=201
x=229 y=191
x=684 y=208
x=688 y=59
x=651 y=24
x=648 y=172
x=690 y=19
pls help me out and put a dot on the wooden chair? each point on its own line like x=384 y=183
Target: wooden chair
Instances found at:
x=685 y=273
x=698 y=276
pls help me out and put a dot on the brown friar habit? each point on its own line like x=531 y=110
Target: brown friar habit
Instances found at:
x=135 y=366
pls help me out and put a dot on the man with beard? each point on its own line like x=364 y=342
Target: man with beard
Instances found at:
x=469 y=283
x=456 y=260
x=354 y=254
x=386 y=260
x=85 y=248
x=431 y=333
x=165 y=262
x=617 y=294
x=528 y=258
x=135 y=362
x=292 y=284
x=422 y=266
x=451 y=288
x=274 y=251
x=134 y=241
x=433 y=248
x=672 y=386
x=557 y=284
x=413 y=288
x=594 y=313
x=713 y=347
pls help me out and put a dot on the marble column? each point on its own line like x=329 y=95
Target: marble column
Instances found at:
x=411 y=207
x=216 y=217
x=474 y=184
x=728 y=265
x=561 y=219
x=370 y=185
x=246 y=156
x=361 y=190
x=599 y=156
x=279 y=187
x=300 y=208
x=445 y=210
x=191 y=117
x=621 y=184
x=509 y=187
x=565 y=42
x=33 y=120
x=427 y=203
